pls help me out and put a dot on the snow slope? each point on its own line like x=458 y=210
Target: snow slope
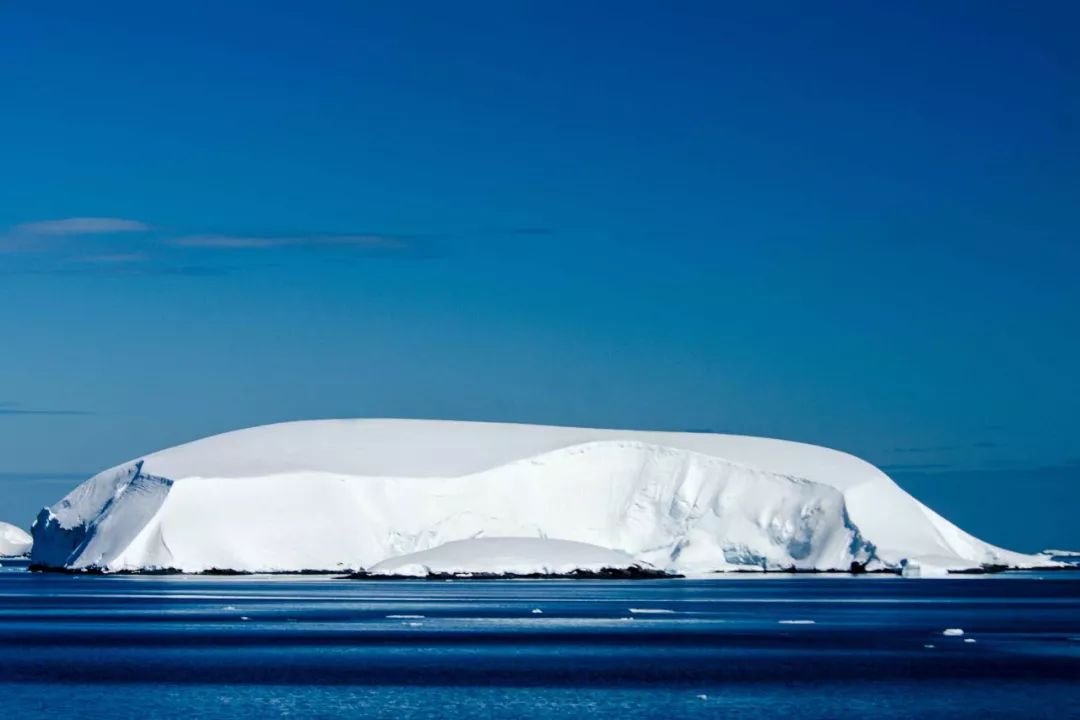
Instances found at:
x=505 y=555
x=14 y=541
x=347 y=494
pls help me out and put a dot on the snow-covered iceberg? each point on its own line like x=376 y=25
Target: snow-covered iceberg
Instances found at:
x=347 y=494
x=512 y=557
x=14 y=541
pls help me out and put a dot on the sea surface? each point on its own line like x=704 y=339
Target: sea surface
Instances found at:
x=733 y=647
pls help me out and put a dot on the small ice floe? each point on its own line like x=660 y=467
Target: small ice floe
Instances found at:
x=229 y=607
x=702 y=697
x=953 y=632
x=969 y=640
x=651 y=611
x=244 y=617
x=404 y=617
x=537 y=611
x=415 y=624
x=928 y=646
x=926 y=567
x=795 y=622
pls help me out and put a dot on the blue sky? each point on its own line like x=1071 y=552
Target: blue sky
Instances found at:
x=852 y=224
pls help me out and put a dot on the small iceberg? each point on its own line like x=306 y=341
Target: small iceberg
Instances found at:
x=510 y=557
x=14 y=541
x=932 y=566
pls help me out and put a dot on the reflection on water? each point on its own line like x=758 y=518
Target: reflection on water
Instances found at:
x=90 y=646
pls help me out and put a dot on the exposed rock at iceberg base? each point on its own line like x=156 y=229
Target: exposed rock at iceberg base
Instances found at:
x=341 y=495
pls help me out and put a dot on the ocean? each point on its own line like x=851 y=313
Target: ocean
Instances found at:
x=783 y=646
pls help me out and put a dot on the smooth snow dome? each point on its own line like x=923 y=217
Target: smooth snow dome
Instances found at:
x=510 y=556
x=347 y=494
x=14 y=541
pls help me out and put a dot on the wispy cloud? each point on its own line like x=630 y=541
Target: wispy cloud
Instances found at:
x=526 y=231
x=8 y=476
x=1016 y=473
x=112 y=258
x=44 y=236
x=255 y=242
x=981 y=445
x=111 y=246
x=122 y=269
x=9 y=407
x=80 y=226
x=926 y=449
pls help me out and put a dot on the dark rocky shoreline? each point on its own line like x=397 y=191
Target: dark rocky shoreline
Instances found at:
x=630 y=573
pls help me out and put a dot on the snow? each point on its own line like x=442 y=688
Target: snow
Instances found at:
x=14 y=541
x=349 y=494
x=509 y=556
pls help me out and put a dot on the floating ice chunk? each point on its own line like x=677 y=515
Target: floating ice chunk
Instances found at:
x=404 y=617
x=953 y=632
x=652 y=611
x=969 y=640
x=537 y=611
x=796 y=622
x=932 y=566
x=928 y=646
x=14 y=541
x=502 y=556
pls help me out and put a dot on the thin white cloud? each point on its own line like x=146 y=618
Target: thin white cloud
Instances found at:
x=12 y=408
x=112 y=258
x=256 y=242
x=80 y=226
x=44 y=236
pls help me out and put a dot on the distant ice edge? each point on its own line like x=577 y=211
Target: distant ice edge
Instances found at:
x=687 y=510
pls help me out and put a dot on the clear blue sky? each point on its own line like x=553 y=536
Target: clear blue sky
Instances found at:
x=853 y=224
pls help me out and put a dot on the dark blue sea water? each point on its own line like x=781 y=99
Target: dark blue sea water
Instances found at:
x=742 y=647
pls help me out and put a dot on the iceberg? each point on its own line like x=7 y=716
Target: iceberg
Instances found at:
x=1062 y=557
x=346 y=495
x=14 y=541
